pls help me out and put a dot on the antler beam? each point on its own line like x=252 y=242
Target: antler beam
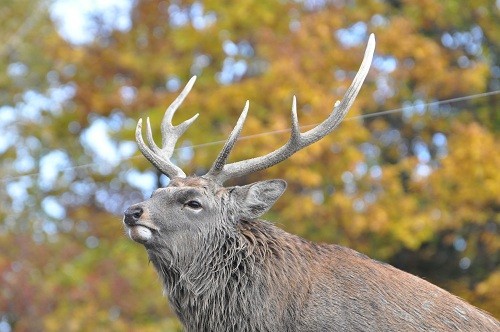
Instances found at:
x=220 y=172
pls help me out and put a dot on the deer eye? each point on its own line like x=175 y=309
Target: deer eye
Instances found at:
x=193 y=204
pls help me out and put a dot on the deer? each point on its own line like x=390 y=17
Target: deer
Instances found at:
x=225 y=269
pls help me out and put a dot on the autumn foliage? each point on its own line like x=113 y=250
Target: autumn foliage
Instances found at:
x=417 y=187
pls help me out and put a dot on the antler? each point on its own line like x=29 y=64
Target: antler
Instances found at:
x=221 y=172
x=160 y=158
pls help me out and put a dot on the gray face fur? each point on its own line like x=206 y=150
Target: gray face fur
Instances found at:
x=181 y=217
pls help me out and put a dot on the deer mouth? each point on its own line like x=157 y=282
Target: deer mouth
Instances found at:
x=140 y=233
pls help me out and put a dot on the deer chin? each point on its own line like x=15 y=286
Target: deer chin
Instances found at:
x=140 y=233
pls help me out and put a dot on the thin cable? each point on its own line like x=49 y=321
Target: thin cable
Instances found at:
x=24 y=28
x=357 y=117
x=281 y=131
x=434 y=103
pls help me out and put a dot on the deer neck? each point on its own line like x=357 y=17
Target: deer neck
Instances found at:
x=231 y=274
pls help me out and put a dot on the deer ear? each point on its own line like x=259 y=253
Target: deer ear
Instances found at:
x=255 y=199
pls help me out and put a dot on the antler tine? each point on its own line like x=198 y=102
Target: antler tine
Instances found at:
x=219 y=163
x=295 y=135
x=160 y=158
x=149 y=137
x=297 y=139
x=169 y=113
x=341 y=107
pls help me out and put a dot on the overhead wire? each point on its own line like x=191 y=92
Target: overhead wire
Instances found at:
x=24 y=28
x=356 y=117
x=281 y=131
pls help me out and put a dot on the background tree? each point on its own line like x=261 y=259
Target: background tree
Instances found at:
x=417 y=187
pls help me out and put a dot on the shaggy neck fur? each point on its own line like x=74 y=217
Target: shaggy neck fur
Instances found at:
x=233 y=276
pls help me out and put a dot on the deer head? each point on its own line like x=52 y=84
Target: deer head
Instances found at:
x=189 y=209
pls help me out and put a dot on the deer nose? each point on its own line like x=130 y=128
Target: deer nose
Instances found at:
x=132 y=215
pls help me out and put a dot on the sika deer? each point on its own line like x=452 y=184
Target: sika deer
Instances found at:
x=223 y=269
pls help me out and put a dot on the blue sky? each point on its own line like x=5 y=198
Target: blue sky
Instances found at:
x=73 y=17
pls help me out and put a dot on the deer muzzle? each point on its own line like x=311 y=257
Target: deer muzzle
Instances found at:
x=138 y=227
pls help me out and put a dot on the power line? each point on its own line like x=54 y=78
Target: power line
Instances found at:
x=24 y=28
x=435 y=103
x=281 y=131
x=357 y=117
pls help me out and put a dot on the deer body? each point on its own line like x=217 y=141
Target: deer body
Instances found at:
x=224 y=269
x=252 y=276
